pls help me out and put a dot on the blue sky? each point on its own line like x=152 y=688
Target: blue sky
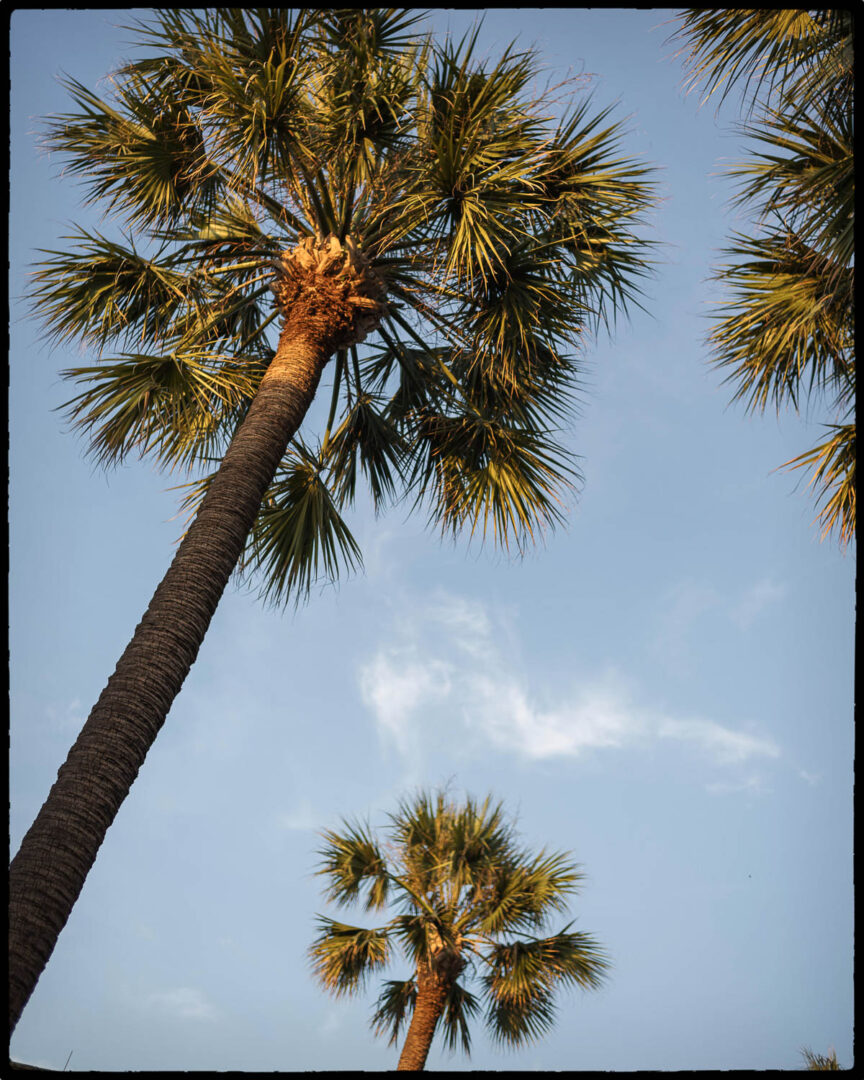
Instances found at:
x=663 y=689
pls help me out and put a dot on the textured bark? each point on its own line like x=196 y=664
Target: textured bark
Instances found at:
x=435 y=978
x=48 y=873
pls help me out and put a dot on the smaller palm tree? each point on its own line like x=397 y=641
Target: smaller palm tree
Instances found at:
x=818 y=1062
x=467 y=903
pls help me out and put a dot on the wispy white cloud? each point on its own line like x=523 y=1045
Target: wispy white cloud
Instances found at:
x=183 y=1002
x=724 y=744
x=453 y=681
x=395 y=684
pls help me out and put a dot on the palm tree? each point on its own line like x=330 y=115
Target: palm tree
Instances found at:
x=786 y=331
x=467 y=902
x=819 y=1062
x=379 y=186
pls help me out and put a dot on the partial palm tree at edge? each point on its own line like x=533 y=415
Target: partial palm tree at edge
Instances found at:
x=786 y=329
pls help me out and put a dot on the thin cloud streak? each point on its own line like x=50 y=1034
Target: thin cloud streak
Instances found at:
x=450 y=680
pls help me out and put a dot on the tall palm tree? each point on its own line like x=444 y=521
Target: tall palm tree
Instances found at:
x=377 y=185
x=468 y=902
x=786 y=331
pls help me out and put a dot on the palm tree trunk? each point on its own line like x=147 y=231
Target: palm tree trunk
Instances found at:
x=48 y=873
x=432 y=989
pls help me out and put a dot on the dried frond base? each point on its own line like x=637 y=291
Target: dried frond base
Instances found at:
x=327 y=288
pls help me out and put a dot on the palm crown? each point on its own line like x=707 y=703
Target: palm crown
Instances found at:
x=468 y=903
x=786 y=332
x=497 y=232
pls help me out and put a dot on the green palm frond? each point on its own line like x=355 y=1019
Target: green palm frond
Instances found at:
x=764 y=47
x=145 y=158
x=368 y=438
x=784 y=322
x=395 y=1007
x=344 y=956
x=833 y=464
x=98 y=290
x=513 y=1022
x=299 y=537
x=523 y=893
x=523 y=971
x=459 y=1009
x=802 y=171
x=479 y=473
x=592 y=206
x=418 y=931
x=174 y=406
x=785 y=328
x=353 y=861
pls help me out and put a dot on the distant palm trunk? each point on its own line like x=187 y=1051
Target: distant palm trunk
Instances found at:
x=432 y=990
x=60 y=847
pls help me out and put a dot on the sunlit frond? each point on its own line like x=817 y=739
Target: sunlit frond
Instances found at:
x=173 y=405
x=785 y=328
x=784 y=324
x=344 y=956
x=833 y=478
x=352 y=862
x=98 y=290
x=368 y=439
x=144 y=157
x=766 y=47
x=524 y=972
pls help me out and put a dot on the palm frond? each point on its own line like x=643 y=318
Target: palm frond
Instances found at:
x=460 y=1007
x=353 y=861
x=818 y=1062
x=344 y=956
x=801 y=170
x=366 y=437
x=394 y=1008
x=767 y=45
x=513 y=1022
x=489 y=476
x=785 y=321
x=98 y=290
x=145 y=158
x=523 y=892
x=299 y=536
x=180 y=407
x=833 y=464
x=528 y=971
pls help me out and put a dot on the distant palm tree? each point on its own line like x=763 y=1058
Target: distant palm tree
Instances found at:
x=381 y=186
x=468 y=903
x=818 y=1062
x=787 y=329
